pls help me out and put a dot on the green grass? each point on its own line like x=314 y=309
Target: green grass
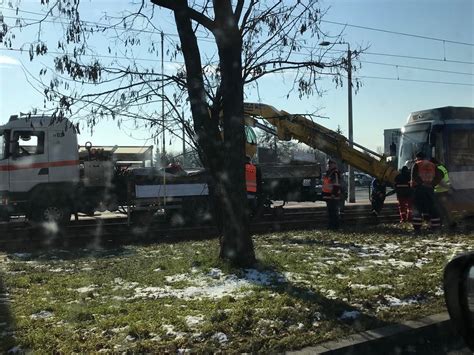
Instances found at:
x=145 y=298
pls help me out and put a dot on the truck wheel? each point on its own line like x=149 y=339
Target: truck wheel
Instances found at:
x=52 y=212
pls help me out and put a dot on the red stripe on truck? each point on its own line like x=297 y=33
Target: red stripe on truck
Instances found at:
x=52 y=164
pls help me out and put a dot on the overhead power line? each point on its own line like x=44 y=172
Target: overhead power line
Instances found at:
x=415 y=80
x=417 y=68
x=418 y=58
x=94 y=55
x=98 y=25
x=324 y=21
x=399 y=33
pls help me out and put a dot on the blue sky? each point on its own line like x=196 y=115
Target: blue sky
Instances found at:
x=379 y=104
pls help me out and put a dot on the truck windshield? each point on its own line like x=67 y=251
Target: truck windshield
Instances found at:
x=412 y=142
x=2 y=145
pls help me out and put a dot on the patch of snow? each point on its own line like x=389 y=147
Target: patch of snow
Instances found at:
x=220 y=337
x=57 y=270
x=169 y=329
x=331 y=294
x=177 y=278
x=215 y=273
x=214 y=284
x=397 y=302
x=422 y=262
x=193 y=321
x=119 y=298
x=123 y=285
x=86 y=289
x=296 y=327
x=41 y=315
x=120 y=329
x=370 y=287
x=349 y=315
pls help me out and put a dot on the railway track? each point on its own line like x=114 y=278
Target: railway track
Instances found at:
x=116 y=231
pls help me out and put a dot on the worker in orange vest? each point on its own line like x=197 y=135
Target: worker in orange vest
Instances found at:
x=332 y=193
x=251 y=185
x=424 y=177
x=251 y=178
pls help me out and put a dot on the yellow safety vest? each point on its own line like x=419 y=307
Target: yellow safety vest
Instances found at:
x=444 y=186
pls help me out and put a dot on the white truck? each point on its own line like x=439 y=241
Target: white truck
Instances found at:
x=45 y=177
x=41 y=175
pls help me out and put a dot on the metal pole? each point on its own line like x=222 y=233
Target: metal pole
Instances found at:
x=184 y=141
x=163 y=151
x=351 y=182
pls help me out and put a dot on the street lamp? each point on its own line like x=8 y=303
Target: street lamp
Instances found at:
x=351 y=182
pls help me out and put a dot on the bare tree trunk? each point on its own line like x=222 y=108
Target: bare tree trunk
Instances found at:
x=224 y=158
x=236 y=243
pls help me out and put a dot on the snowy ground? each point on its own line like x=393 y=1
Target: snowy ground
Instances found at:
x=308 y=287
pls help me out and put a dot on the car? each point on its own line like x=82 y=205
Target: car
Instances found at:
x=458 y=282
x=361 y=179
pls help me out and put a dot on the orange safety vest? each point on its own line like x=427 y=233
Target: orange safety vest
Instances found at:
x=328 y=186
x=251 y=177
x=426 y=171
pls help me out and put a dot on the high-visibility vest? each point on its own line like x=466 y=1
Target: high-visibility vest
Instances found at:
x=328 y=185
x=251 y=177
x=444 y=187
x=426 y=171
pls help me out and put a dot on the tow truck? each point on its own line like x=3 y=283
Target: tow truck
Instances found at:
x=46 y=176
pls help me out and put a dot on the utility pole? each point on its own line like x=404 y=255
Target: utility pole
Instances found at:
x=163 y=151
x=184 y=140
x=351 y=182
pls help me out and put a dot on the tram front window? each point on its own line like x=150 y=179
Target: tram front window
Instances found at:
x=412 y=142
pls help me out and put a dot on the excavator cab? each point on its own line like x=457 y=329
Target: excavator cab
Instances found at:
x=250 y=142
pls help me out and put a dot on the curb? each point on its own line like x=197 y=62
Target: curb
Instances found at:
x=430 y=335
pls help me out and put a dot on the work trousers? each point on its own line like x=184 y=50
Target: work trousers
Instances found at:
x=405 y=208
x=333 y=213
x=377 y=204
x=425 y=208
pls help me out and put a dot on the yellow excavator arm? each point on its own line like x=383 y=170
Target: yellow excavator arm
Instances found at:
x=288 y=126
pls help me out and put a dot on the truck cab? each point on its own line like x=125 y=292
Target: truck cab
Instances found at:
x=39 y=166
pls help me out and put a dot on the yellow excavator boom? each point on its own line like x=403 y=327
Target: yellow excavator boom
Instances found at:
x=288 y=126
